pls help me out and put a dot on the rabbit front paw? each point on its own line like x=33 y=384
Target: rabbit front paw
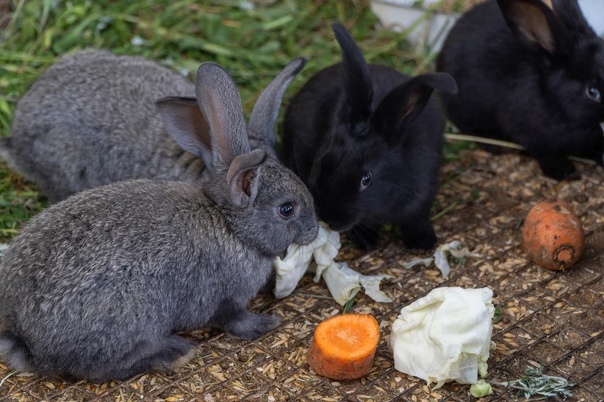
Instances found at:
x=233 y=317
x=558 y=168
x=418 y=236
x=364 y=236
x=251 y=326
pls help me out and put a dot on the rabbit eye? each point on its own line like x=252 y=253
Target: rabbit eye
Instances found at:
x=594 y=94
x=365 y=181
x=286 y=210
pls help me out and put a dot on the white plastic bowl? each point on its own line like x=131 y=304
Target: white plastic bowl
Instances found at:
x=429 y=31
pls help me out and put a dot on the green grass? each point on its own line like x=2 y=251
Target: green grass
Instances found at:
x=253 y=40
x=253 y=44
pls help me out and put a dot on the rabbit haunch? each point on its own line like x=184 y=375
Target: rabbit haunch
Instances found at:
x=91 y=119
x=531 y=73
x=367 y=140
x=98 y=285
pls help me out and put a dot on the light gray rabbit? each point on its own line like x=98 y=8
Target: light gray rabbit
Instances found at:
x=91 y=119
x=97 y=286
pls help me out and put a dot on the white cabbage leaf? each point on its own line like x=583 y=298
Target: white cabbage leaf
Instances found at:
x=342 y=281
x=444 y=336
x=426 y=262
x=454 y=248
x=290 y=269
x=440 y=257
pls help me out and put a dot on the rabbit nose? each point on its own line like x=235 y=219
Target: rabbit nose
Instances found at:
x=308 y=235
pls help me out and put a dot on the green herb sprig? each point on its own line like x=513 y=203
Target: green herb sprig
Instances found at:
x=537 y=383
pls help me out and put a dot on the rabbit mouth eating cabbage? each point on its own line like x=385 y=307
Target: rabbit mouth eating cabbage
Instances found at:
x=342 y=281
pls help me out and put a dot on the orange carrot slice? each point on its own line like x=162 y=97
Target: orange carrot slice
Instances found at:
x=343 y=346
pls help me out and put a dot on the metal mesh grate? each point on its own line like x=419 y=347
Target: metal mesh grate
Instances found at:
x=551 y=319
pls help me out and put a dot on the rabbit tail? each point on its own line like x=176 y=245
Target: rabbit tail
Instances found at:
x=7 y=152
x=15 y=352
x=8 y=156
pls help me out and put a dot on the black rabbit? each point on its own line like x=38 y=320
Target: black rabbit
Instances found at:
x=530 y=72
x=367 y=140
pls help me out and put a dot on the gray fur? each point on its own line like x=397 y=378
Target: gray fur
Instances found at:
x=264 y=114
x=91 y=119
x=98 y=285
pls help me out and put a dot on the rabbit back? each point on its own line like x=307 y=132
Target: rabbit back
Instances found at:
x=525 y=88
x=91 y=119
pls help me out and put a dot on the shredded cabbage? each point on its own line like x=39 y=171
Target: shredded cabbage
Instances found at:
x=440 y=257
x=290 y=269
x=481 y=389
x=342 y=281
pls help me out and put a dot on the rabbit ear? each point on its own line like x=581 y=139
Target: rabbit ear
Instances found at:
x=405 y=102
x=186 y=124
x=535 y=22
x=220 y=103
x=572 y=21
x=264 y=116
x=355 y=109
x=243 y=177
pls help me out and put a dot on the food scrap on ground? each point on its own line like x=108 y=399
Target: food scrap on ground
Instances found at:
x=481 y=389
x=552 y=235
x=535 y=383
x=440 y=258
x=318 y=257
x=343 y=347
x=444 y=336
x=549 y=319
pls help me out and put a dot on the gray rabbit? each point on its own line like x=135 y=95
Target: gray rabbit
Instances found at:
x=97 y=286
x=91 y=119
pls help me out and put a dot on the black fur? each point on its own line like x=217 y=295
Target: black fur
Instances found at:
x=351 y=119
x=523 y=72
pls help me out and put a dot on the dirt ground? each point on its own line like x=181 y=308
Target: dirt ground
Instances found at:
x=550 y=319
